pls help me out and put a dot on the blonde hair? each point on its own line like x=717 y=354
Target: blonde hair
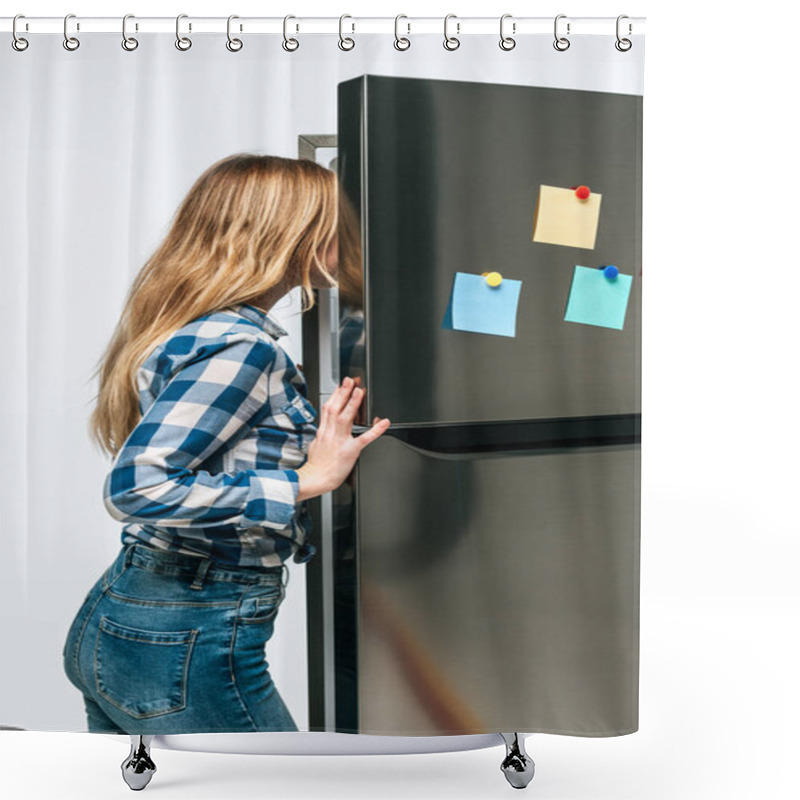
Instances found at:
x=248 y=222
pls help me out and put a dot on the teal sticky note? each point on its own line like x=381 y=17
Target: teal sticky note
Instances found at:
x=595 y=299
x=476 y=306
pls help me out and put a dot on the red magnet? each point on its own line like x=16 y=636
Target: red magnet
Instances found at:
x=581 y=191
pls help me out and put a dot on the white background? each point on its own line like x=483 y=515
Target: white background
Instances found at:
x=719 y=615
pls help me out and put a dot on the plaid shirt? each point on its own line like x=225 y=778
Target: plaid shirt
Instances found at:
x=210 y=468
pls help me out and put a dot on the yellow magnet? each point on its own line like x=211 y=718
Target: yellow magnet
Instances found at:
x=493 y=278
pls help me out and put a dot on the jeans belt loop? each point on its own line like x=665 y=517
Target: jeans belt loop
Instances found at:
x=129 y=551
x=200 y=575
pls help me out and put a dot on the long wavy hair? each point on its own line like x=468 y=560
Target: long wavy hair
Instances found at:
x=249 y=223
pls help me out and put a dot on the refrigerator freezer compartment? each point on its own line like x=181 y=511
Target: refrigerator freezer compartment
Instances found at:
x=497 y=590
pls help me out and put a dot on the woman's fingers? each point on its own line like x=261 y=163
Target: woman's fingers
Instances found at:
x=350 y=404
x=373 y=433
x=340 y=397
x=354 y=402
x=344 y=403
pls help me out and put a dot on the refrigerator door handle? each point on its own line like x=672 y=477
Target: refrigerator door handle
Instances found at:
x=530 y=436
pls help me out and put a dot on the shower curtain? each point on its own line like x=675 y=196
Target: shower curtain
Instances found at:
x=99 y=144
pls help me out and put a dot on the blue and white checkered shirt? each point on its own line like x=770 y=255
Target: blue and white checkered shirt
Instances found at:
x=210 y=468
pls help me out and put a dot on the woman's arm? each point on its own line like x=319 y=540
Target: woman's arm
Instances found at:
x=209 y=402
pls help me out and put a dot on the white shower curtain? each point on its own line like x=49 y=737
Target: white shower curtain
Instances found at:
x=98 y=147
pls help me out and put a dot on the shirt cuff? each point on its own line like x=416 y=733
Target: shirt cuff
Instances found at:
x=304 y=553
x=273 y=498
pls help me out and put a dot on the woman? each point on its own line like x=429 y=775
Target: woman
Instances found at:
x=215 y=452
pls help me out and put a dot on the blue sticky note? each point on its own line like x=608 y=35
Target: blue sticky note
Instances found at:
x=595 y=299
x=476 y=306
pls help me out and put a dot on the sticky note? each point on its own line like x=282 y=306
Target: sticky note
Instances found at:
x=476 y=306
x=561 y=217
x=595 y=299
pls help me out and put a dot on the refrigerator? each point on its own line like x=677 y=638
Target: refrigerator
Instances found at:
x=478 y=571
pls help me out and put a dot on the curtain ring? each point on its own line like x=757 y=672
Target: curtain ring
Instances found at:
x=346 y=43
x=451 y=42
x=506 y=42
x=561 y=43
x=234 y=45
x=128 y=42
x=182 y=42
x=289 y=44
x=18 y=43
x=623 y=45
x=70 y=42
x=401 y=43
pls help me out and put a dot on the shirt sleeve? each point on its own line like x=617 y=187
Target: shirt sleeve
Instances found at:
x=209 y=402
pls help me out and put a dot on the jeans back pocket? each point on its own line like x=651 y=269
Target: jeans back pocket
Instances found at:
x=142 y=672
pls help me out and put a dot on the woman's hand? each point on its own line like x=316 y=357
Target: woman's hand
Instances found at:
x=334 y=450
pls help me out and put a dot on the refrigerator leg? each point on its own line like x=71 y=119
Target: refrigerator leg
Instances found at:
x=517 y=766
x=138 y=767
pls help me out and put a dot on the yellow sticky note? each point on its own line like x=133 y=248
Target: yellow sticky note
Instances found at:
x=561 y=217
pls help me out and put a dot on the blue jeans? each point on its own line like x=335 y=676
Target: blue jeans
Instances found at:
x=169 y=643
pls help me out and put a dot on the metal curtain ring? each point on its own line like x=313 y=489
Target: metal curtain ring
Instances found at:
x=289 y=44
x=234 y=45
x=560 y=43
x=70 y=42
x=18 y=43
x=346 y=43
x=182 y=42
x=401 y=43
x=623 y=45
x=506 y=42
x=128 y=42
x=451 y=42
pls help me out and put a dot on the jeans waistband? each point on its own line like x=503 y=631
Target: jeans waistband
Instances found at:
x=200 y=568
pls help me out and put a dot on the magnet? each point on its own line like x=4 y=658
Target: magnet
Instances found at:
x=610 y=271
x=493 y=278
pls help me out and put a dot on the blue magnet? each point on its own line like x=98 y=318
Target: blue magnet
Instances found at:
x=610 y=271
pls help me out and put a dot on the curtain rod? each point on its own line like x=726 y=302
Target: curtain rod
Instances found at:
x=347 y=25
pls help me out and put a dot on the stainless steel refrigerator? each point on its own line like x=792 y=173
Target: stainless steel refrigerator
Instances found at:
x=479 y=570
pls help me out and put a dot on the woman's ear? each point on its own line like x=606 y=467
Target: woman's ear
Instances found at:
x=332 y=255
